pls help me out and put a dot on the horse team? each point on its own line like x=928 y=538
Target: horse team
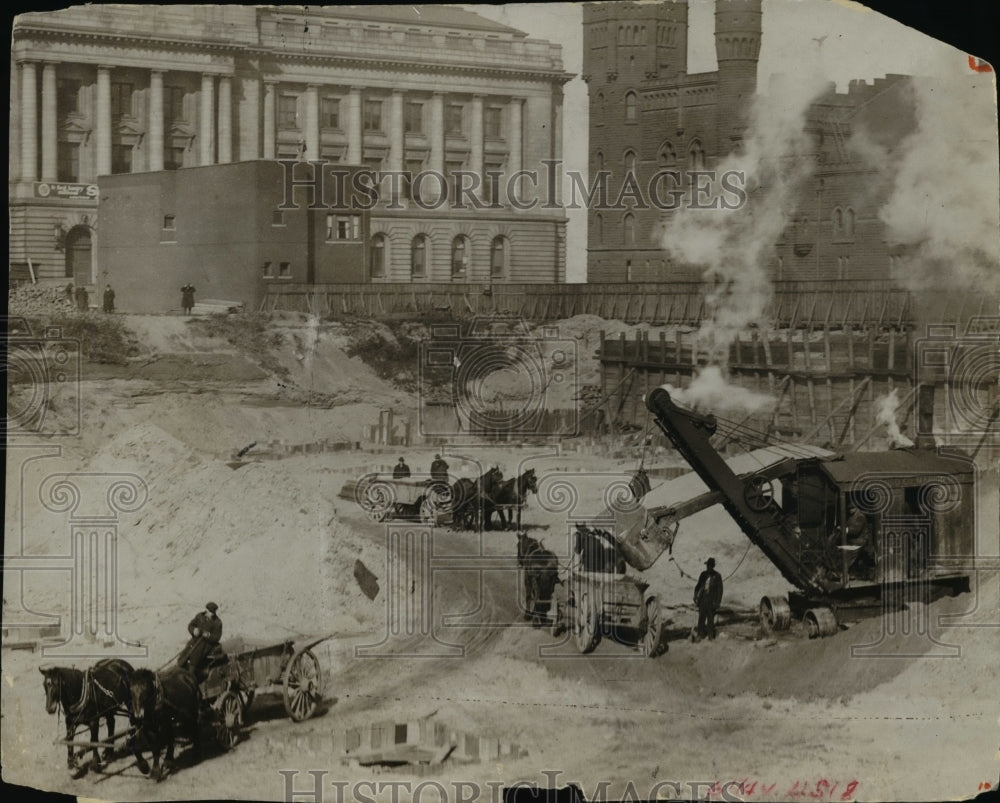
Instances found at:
x=159 y=705
x=475 y=501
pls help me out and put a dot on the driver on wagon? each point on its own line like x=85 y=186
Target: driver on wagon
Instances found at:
x=203 y=647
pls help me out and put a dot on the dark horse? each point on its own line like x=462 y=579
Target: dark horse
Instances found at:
x=467 y=498
x=86 y=697
x=511 y=492
x=163 y=704
x=540 y=575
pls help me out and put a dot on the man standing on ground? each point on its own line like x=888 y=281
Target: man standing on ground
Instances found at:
x=708 y=597
x=401 y=471
x=439 y=469
x=109 y=299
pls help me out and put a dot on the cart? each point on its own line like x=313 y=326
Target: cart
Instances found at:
x=418 y=499
x=232 y=682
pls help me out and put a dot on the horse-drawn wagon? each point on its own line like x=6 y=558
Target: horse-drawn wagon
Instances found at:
x=158 y=705
x=596 y=596
x=384 y=498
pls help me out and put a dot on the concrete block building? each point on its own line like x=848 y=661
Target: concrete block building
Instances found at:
x=114 y=90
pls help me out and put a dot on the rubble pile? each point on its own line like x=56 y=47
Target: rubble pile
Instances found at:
x=37 y=299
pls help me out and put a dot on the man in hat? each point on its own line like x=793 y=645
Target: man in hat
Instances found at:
x=400 y=471
x=109 y=299
x=708 y=597
x=203 y=648
x=439 y=470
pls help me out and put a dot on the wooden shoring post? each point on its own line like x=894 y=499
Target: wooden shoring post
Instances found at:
x=807 y=348
x=829 y=309
x=885 y=307
x=795 y=311
x=766 y=342
x=849 y=334
x=871 y=349
x=812 y=310
x=904 y=308
x=847 y=309
x=891 y=356
x=863 y=322
x=829 y=381
x=850 y=401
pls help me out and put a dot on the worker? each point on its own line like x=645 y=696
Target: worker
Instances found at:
x=857 y=541
x=401 y=471
x=708 y=597
x=439 y=469
x=203 y=647
x=109 y=299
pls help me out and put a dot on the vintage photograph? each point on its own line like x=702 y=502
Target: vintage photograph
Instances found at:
x=426 y=402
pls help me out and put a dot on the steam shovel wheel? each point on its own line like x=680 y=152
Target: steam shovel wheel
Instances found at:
x=588 y=631
x=303 y=685
x=230 y=719
x=775 y=614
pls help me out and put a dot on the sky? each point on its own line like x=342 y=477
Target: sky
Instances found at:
x=840 y=39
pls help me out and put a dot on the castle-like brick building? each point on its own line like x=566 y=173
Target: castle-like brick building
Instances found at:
x=647 y=114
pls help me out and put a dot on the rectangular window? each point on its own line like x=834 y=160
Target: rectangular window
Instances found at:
x=453 y=119
x=267 y=273
x=277 y=218
x=173 y=158
x=329 y=112
x=288 y=111
x=68 y=96
x=492 y=118
x=121 y=99
x=343 y=227
x=68 y=167
x=168 y=222
x=284 y=270
x=121 y=159
x=414 y=118
x=173 y=101
x=373 y=115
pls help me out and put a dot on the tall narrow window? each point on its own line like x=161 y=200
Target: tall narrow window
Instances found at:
x=696 y=155
x=838 y=223
x=121 y=99
x=492 y=122
x=68 y=167
x=121 y=159
x=329 y=112
x=173 y=102
x=628 y=229
x=454 y=121
x=68 y=97
x=499 y=252
x=599 y=228
x=849 y=223
x=373 y=115
x=630 y=103
x=378 y=256
x=460 y=256
x=288 y=111
x=629 y=162
x=418 y=257
x=413 y=118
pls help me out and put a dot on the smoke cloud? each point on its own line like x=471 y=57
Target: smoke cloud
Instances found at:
x=886 y=414
x=709 y=391
x=734 y=245
x=943 y=202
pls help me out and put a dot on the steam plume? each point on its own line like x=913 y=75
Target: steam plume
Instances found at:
x=887 y=406
x=710 y=392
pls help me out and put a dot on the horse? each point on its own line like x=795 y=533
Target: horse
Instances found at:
x=162 y=704
x=467 y=498
x=540 y=570
x=86 y=697
x=511 y=492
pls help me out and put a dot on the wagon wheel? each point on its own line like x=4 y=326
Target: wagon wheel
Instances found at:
x=653 y=640
x=758 y=493
x=378 y=499
x=302 y=685
x=229 y=719
x=428 y=510
x=587 y=630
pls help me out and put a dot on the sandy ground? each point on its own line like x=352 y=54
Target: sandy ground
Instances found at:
x=275 y=543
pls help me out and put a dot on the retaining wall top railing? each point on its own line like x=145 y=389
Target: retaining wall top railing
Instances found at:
x=809 y=304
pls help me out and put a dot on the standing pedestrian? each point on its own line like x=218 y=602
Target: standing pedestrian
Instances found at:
x=187 y=298
x=708 y=597
x=401 y=471
x=439 y=469
x=70 y=293
x=109 y=299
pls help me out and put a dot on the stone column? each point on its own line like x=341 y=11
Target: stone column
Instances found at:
x=312 y=122
x=269 y=114
x=476 y=137
x=225 y=119
x=435 y=162
x=207 y=113
x=514 y=145
x=103 y=121
x=49 y=124
x=354 y=144
x=248 y=115
x=29 y=121
x=156 y=120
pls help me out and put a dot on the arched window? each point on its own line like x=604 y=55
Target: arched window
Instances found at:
x=630 y=99
x=667 y=154
x=418 y=257
x=849 y=223
x=838 y=223
x=601 y=108
x=499 y=256
x=599 y=160
x=629 y=229
x=378 y=256
x=696 y=155
x=629 y=162
x=599 y=228
x=460 y=249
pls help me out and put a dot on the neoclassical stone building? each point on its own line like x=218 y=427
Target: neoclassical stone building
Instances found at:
x=103 y=89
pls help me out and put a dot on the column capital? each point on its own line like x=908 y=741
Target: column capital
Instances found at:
x=106 y=67
x=356 y=89
x=270 y=80
x=156 y=71
x=24 y=60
